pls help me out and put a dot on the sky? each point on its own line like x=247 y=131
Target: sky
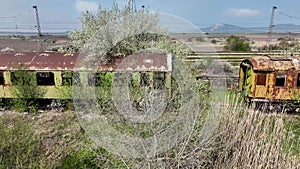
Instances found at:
x=61 y=15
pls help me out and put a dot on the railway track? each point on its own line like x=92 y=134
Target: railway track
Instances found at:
x=233 y=58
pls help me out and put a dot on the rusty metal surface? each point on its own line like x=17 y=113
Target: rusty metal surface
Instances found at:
x=273 y=67
x=146 y=62
x=60 y=61
x=37 y=61
x=274 y=63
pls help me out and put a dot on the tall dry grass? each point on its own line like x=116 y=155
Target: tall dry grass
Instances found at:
x=253 y=139
x=244 y=138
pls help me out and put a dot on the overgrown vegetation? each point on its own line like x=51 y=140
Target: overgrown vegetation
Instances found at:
x=260 y=140
x=25 y=91
x=288 y=45
x=243 y=138
x=19 y=148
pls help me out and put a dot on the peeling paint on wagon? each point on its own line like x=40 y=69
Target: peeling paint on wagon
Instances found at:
x=57 y=61
x=273 y=78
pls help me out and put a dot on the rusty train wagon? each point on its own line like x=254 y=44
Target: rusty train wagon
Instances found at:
x=55 y=72
x=272 y=79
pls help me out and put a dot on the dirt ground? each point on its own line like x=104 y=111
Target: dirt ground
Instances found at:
x=30 y=44
x=257 y=40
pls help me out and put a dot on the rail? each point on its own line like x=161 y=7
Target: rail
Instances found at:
x=223 y=53
x=231 y=57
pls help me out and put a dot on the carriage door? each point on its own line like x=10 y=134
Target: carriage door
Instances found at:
x=245 y=81
x=261 y=87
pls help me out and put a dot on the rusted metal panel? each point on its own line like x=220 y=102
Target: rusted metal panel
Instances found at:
x=37 y=61
x=60 y=61
x=274 y=63
x=146 y=62
x=270 y=85
x=285 y=92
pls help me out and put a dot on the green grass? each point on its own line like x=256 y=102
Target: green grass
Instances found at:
x=292 y=125
x=19 y=148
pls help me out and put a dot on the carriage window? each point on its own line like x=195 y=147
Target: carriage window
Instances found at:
x=280 y=80
x=298 y=80
x=261 y=79
x=1 y=78
x=159 y=79
x=21 y=77
x=70 y=78
x=145 y=79
x=45 y=78
x=94 y=79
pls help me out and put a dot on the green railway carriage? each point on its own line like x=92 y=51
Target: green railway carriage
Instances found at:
x=58 y=73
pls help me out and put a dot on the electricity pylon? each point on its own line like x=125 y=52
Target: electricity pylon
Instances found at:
x=38 y=25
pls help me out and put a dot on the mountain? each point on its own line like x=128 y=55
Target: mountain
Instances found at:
x=224 y=28
x=227 y=28
x=287 y=28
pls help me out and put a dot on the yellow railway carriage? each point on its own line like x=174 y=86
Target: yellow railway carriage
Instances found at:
x=270 y=78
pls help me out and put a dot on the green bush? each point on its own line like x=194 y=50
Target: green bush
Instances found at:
x=91 y=158
x=237 y=44
x=25 y=91
x=213 y=41
x=200 y=39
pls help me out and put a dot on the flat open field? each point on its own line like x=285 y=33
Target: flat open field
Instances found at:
x=30 y=43
x=198 y=42
x=257 y=40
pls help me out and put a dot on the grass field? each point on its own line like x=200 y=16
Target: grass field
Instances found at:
x=243 y=138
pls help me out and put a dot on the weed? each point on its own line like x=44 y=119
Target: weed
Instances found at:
x=19 y=148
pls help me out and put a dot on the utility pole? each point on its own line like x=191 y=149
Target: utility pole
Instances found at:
x=131 y=5
x=271 y=26
x=40 y=47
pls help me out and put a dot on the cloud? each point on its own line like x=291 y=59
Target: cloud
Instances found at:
x=82 y=6
x=242 y=12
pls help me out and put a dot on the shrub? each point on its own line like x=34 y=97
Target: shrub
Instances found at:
x=200 y=39
x=25 y=91
x=189 y=40
x=237 y=44
x=19 y=148
x=91 y=158
x=213 y=41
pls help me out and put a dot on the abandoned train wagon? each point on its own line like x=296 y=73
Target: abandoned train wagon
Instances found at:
x=270 y=78
x=54 y=73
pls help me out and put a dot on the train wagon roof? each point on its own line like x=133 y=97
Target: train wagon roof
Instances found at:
x=274 y=63
x=61 y=61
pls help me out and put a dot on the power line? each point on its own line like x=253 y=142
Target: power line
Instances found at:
x=287 y=15
x=15 y=16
